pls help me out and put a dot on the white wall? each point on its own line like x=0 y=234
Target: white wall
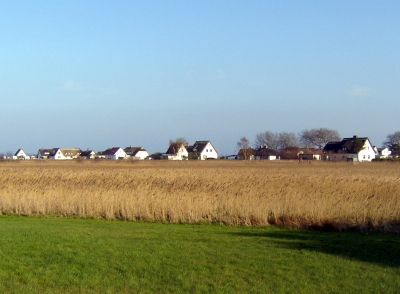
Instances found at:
x=117 y=155
x=208 y=152
x=368 y=153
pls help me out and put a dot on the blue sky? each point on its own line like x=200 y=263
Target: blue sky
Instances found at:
x=98 y=74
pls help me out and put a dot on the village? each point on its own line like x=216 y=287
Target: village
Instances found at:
x=348 y=149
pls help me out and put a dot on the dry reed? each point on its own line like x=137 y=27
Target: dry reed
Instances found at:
x=319 y=195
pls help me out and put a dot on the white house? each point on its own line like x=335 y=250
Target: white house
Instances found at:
x=136 y=152
x=114 y=153
x=87 y=154
x=20 y=154
x=348 y=147
x=204 y=150
x=176 y=151
x=383 y=152
x=64 y=153
x=265 y=153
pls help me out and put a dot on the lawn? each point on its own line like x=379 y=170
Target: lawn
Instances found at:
x=66 y=255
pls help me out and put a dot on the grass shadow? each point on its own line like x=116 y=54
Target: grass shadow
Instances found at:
x=379 y=248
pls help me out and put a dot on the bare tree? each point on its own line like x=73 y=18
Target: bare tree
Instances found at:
x=393 y=142
x=287 y=140
x=318 y=137
x=179 y=141
x=277 y=141
x=269 y=139
x=245 y=151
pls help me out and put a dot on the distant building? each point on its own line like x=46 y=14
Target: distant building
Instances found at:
x=355 y=148
x=64 y=153
x=383 y=152
x=203 y=150
x=136 y=152
x=20 y=154
x=43 y=153
x=87 y=154
x=113 y=153
x=265 y=153
x=176 y=151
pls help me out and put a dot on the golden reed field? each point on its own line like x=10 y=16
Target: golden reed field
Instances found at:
x=319 y=195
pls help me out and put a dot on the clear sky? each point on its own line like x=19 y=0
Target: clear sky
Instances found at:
x=98 y=74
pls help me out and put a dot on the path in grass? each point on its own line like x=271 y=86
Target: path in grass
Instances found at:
x=40 y=255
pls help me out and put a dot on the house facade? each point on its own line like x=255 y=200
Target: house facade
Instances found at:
x=114 y=153
x=64 y=153
x=310 y=154
x=87 y=154
x=265 y=153
x=354 y=149
x=43 y=153
x=176 y=151
x=203 y=150
x=383 y=152
x=136 y=152
x=20 y=154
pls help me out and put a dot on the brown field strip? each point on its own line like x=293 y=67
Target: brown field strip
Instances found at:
x=323 y=195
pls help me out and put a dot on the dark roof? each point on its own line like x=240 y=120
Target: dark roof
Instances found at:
x=174 y=148
x=86 y=153
x=53 y=151
x=199 y=146
x=346 y=145
x=44 y=152
x=16 y=153
x=110 y=151
x=265 y=152
x=65 y=151
x=132 y=151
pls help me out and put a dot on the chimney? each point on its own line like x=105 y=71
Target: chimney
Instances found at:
x=355 y=137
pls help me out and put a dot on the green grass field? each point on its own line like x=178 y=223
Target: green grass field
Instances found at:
x=64 y=255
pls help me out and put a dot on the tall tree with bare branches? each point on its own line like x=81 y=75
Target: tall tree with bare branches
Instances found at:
x=269 y=139
x=277 y=141
x=318 y=137
x=178 y=141
x=245 y=150
x=393 y=143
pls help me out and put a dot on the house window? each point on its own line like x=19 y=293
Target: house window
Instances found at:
x=210 y=150
x=363 y=156
x=206 y=150
x=369 y=156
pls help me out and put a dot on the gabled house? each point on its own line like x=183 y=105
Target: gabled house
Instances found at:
x=64 y=153
x=355 y=149
x=44 y=153
x=20 y=154
x=136 y=152
x=383 y=152
x=310 y=154
x=87 y=154
x=113 y=153
x=202 y=150
x=265 y=153
x=176 y=151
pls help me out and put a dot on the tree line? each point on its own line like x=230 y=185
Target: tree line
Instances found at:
x=309 y=138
